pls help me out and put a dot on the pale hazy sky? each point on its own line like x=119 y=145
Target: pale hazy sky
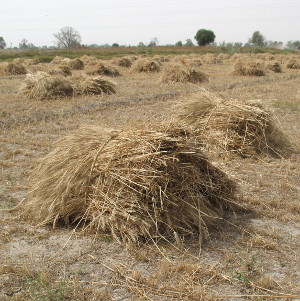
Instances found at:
x=132 y=21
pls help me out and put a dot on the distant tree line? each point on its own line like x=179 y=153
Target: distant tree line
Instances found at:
x=68 y=37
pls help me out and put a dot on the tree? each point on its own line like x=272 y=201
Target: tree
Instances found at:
x=274 y=44
x=68 y=37
x=115 y=45
x=293 y=45
x=257 y=39
x=178 y=44
x=2 y=43
x=204 y=37
x=188 y=43
x=141 y=44
x=153 y=42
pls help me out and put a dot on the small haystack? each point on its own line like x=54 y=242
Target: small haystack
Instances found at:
x=89 y=60
x=76 y=64
x=138 y=186
x=249 y=68
x=60 y=70
x=232 y=127
x=274 y=66
x=42 y=85
x=57 y=60
x=102 y=69
x=89 y=85
x=15 y=69
x=293 y=64
x=180 y=73
x=145 y=65
x=122 y=61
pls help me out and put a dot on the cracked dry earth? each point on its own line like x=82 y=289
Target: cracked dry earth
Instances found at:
x=252 y=255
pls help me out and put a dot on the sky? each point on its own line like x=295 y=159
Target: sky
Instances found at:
x=129 y=22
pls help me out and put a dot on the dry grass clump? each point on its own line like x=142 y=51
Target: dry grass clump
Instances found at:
x=137 y=185
x=248 y=68
x=15 y=69
x=232 y=127
x=122 y=62
x=42 y=85
x=89 y=59
x=102 y=69
x=293 y=64
x=180 y=73
x=89 y=85
x=57 y=60
x=76 y=64
x=60 y=70
x=145 y=65
x=274 y=66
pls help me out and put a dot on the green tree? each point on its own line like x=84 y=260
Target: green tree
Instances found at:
x=178 y=44
x=68 y=37
x=2 y=43
x=204 y=37
x=293 y=45
x=115 y=45
x=257 y=39
x=188 y=43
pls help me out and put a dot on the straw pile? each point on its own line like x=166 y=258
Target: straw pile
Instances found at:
x=102 y=69
x=60 y=70
x=138 y=186
x=42 y=85
x=274 y=66
x=89 y=60
x=89 y=85
x=57 y=60
x=231 y=127
x=249 y=68
x=15 y=69
x=180 y=73
x=76 y=64
x=293 y=64
x=145 y=65
x=122 y=62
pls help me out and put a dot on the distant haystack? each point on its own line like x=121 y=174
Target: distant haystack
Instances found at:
x=89 y=85
x=145 y=65
x=293 y=64
x=122 y=62
x=248 y=68
x=180 y=73
x=76 y=64
x=43 y=86
x=102 y=69
x=57 y=60
x=274 y=66
x=137 y=185
x=60 y=70
x=15 y=69
x=229 y=127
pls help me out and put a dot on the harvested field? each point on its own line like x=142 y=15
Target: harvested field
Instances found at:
x=53 y=153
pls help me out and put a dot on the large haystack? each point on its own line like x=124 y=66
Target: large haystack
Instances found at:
x=183 y=74
x=60 y=70
x=293 y=64
x=137 y=185
x=145 y=65
x=76 y=64
x=248 y=68
x=232 y=127
x=102 y=69
x=15 y=69
x=89 y=85
x=42 y=85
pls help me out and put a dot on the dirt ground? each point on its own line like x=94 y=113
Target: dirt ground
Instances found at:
x=252 y=255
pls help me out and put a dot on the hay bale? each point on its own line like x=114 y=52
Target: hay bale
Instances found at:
x=293 y=64
x=180 y=73
x=15 y=69
x=274 y=66
x=76 y=64
x=137 y=185
x=42 y=85
x=232 y=127
x=248 y=68
x=145 y=65
x=60 y=70
x=89 y=85
x=102 y=69
x=57 y=60
x=122 y=62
